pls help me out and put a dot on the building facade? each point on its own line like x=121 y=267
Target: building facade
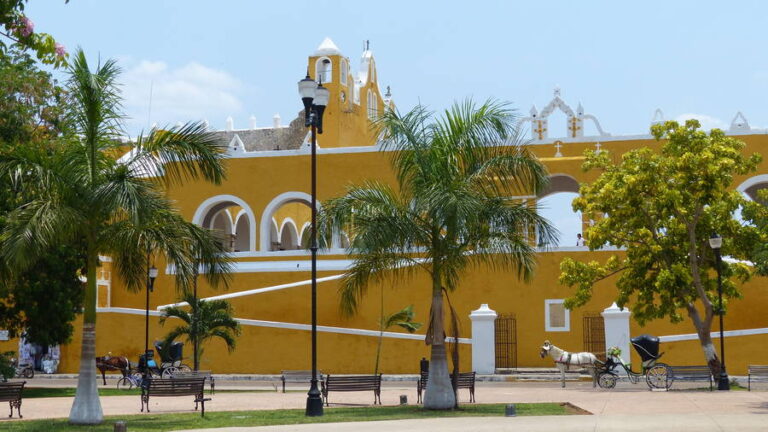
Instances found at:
x=263 y=211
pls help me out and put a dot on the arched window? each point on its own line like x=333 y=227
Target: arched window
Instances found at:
x=373 y=110
x=324 y=70
x=373 y=72
x=343 y=72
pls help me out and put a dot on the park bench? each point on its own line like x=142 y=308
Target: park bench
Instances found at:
x=466 y=380
x=298 y=376
x=690 y=373
x=11 y=393
x=196 y=374
x=352 y=383
x=167 y=387
x=756 y=373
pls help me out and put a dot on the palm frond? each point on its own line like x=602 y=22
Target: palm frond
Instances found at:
x=180 y=153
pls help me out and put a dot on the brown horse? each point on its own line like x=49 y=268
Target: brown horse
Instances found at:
x=111 y=363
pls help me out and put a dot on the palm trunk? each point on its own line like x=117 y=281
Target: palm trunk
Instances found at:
x=86 y=409
x=439 y=394
x=381 y=332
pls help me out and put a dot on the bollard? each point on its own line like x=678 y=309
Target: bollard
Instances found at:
x=510 y=411
x=403 y=400
x=120 y=427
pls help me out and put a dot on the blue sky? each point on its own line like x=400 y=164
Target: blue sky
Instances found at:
x=621 y=60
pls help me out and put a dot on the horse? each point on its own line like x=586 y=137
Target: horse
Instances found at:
x=563 y=359
x=110 y=363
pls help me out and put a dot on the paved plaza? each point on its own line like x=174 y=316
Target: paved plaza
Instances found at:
x=626 y=408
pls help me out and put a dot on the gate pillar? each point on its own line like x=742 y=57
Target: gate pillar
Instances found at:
x=483 y=340
x=617 y=330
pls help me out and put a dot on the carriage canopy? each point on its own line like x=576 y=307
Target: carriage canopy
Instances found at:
x=647 y=346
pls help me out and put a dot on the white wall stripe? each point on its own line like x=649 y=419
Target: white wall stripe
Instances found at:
x=259 y=290
x=715 y=335
x=295 y=326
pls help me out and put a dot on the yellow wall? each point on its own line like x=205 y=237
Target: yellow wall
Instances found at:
x=269 y=350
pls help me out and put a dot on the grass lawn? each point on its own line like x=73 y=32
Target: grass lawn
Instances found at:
x=169 y=422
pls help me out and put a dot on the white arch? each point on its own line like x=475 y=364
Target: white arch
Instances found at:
x=205 y=208
x=269 y=211
x=324 y=74
x=304 y=229
x=293 y=232
x=752 y=181
x=560 y=182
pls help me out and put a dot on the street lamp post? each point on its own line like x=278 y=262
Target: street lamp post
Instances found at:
x=315 y=98
x=151 y=276
x=716 y=242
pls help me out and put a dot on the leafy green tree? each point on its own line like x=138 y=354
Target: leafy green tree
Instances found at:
x=18 y=30
x=454 y=209
x=81 y=191
x=205 y=320
x=41 y=302
x=403 y=319
x=662 y=206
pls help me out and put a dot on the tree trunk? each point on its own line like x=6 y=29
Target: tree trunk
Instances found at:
x=704 y=330
x=86 y=409
x=710 y=353
x=439 y=393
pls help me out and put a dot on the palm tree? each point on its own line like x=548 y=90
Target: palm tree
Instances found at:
x=116 y=207
x=455 y=207
x=206 y=319
x=402 y=318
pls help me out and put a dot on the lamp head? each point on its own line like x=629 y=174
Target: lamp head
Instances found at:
x=715 y=241
x=153 y=272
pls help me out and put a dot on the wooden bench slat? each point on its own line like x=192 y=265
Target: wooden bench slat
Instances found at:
x=692 y=373
x=466 y=380
x=352 y=383
x=167 y=387
x=12 y=393
x=756 y=373
x=298 y=376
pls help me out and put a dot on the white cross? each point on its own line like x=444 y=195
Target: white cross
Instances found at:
x=557 y=146
x=597 y=147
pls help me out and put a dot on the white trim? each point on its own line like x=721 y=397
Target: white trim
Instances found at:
x=328 y=73
x=748 y=183
x=259 y=290
x=715 y=335
x=296 y=326
x=290 y=266
x=205 y=206
x=567 y=320
x=289 y=220
x=269 y=210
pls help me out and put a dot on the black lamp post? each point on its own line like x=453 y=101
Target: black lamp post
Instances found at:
x=715 y=242
x=151 y=276
x=315 y=98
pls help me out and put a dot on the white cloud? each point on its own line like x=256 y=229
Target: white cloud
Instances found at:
x=190 y=92
x=707 y=122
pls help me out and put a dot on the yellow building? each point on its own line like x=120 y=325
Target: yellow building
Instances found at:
x=263 y=209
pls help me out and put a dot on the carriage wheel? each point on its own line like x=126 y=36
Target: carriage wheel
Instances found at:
x=28 y=373
x=607 y=380
x=658 y=377
x=124 y=383
x=184 y=368
x=169 y=372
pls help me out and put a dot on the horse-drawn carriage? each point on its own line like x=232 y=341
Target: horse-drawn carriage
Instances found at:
x=656 y=374
x=171 y=363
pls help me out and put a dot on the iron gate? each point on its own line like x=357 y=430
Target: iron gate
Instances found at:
x=594 y=335
x=506 y=341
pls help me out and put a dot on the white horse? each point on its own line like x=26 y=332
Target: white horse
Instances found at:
x=564 y=360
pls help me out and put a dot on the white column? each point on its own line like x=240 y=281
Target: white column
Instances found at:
x=483 y=340
x=617 y=330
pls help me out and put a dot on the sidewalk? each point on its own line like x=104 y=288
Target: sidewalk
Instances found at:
x=599 y=423
x=626 y=403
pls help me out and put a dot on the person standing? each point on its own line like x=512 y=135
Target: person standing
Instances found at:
x=580 y=240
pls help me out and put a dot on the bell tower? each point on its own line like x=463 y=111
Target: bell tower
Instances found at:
x=355 y=99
